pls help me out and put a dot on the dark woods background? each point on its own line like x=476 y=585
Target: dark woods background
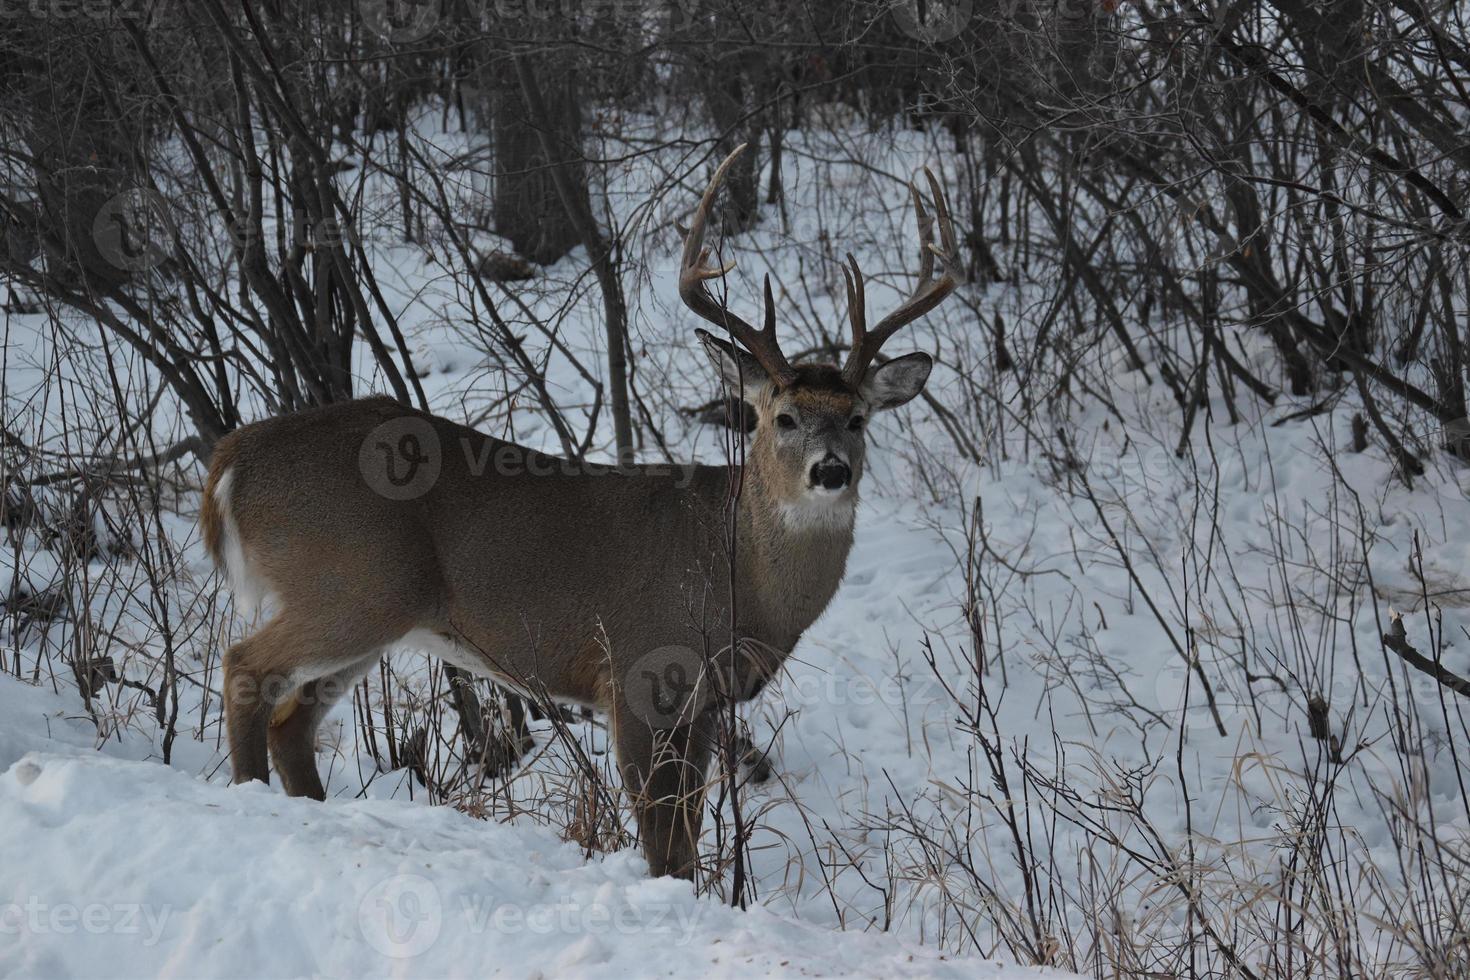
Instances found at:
x=1295 y=169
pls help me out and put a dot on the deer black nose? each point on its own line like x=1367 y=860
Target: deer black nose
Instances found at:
x=831 y=474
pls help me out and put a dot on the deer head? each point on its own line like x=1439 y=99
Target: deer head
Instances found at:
x=810 y=435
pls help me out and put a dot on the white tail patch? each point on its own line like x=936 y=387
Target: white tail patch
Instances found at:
x=249 y=589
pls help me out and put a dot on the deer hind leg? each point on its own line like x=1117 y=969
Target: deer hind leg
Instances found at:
x=249 y=697
x=265 y=673
x=663 y=771
x=293 y=725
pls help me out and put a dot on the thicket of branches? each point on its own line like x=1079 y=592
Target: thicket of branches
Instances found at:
x=1236 y=167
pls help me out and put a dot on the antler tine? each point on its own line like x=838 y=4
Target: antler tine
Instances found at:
x=929 y=292
x=694 y=272
x=926 y=233
x=770 y=325
x=946 y=226
x=857 y=300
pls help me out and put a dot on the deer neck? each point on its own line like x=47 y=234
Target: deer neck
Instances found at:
x=790 y=559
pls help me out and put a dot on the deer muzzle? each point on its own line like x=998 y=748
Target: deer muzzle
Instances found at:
x=830 y=473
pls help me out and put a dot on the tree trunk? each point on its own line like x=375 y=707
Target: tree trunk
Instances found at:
x=527 y=209
x=569 y=183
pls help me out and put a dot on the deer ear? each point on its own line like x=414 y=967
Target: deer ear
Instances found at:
x=741 y=372
x=891 y=384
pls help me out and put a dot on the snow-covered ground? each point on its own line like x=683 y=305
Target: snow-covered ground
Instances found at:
x=883 y=845
x=121 y=868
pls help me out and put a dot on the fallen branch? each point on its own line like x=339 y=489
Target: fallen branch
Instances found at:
x=1397 y=641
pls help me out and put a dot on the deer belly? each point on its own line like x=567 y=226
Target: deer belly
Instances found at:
x=464 y=656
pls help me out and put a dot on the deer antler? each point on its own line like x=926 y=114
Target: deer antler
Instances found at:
x=927 y=295
x=694 y=272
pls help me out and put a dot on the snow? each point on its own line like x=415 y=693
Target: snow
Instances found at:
x=120 y=868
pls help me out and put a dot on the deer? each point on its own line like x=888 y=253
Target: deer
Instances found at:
x=610 y=589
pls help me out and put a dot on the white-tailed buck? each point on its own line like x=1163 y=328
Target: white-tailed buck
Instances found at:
x=371 y=524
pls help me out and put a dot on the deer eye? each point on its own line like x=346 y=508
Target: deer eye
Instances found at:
x=784 y=421
x=855 y=424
